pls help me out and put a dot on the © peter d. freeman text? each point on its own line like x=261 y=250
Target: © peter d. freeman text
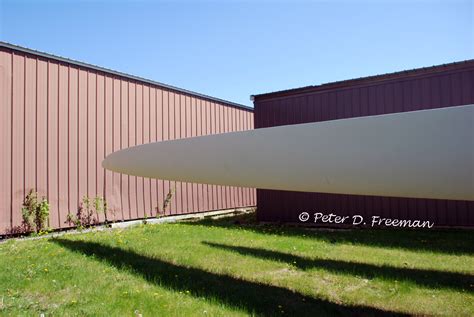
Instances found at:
x=359 y=220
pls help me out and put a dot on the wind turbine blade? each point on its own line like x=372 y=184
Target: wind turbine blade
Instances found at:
x=419 y=154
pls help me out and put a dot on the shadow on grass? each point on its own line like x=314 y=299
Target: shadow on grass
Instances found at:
x=253 y=297
x=426 y=278
x=449 y=241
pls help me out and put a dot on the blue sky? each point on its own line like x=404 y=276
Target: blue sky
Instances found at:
x=232 y=49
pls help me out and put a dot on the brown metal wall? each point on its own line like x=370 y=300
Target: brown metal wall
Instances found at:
x=59 y=120
x=426 y=89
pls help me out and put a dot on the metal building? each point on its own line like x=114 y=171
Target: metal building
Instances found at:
x=60 y=118
x=426 y=88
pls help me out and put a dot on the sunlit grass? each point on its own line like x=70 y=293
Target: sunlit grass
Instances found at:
x=227 y=269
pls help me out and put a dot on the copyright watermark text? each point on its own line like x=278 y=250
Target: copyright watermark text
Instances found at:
x=358 y=220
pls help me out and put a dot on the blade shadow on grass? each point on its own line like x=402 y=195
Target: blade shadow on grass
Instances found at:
x=253 y=297
x=421 y=277
x=458 y=242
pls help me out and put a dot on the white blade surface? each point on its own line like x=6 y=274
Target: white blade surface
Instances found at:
x=419 y=154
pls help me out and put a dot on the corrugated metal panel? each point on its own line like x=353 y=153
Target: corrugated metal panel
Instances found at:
x=111 y=72
x=6 y=60
x=445 y=68
x=59 y=120
x=443 y=86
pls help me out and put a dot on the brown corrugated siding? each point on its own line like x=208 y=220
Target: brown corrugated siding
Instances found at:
x=444 y=87
x=59 y=120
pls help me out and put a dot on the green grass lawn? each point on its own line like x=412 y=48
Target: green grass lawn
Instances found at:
x=235 y=267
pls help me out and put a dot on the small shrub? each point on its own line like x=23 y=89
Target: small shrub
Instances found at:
x=168 y=198
x=34 y=212
x=75 y=220
x=100 y=205
x=87 y=210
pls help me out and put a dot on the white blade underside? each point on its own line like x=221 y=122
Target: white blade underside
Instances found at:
x=419 y=154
